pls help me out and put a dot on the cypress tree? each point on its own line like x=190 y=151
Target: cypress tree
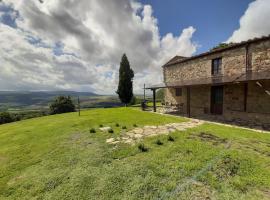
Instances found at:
x=125 y=85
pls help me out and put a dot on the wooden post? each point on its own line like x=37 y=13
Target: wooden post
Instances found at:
x=245 y=96
x=154 y=100
x=79 y=106
x=188 y=101
x=144 y=92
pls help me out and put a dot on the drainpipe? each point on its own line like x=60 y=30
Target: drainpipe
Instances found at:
x=188 y=102
x=248 y=59
x=248 y=70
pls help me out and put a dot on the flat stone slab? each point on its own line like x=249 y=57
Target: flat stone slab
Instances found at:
x=137 y=134
x=110 y=140
x=138 y=130
x=105 y=129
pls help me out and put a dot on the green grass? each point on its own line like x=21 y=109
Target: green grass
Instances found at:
x=56 y=157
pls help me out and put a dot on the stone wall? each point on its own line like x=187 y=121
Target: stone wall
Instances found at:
x=199 y=100
x=257 y=111
x=172 y=99
x=260 y=56
x=258 y=100
x=258 y=104
x=233 y=63
x=234 y=97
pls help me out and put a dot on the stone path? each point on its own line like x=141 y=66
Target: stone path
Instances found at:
x=137 y=134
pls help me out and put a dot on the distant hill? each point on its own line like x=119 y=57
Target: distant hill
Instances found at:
x=14 y=99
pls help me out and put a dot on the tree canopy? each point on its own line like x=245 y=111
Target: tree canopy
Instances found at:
x=62 y=104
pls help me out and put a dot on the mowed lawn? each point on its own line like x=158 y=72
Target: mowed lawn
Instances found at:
x=56 y=157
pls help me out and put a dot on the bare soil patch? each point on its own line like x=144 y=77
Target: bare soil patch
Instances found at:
x=208 y=137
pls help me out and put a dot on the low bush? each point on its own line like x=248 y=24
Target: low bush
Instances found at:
x=158 y=142
x=142 y=148
x=92 y=130
x=124 y=127
x=5 y=117
x=100 y=125
x=170 y=138
x=135 y=125
x=117 y=125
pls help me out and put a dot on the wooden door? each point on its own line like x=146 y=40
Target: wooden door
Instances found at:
x=217 y=100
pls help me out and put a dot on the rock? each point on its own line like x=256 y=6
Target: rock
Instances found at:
x=138 y=130
x=150 y=127
x=105 y=129
x=129 y=141
x=163 y=131
x=130 y=134
x=149 y=132
x=110 y=140
x=171 y=130
x=137 y=136
x=180 y=129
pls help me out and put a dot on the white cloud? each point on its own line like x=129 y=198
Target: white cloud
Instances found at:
x=94 y=35
x=254 y=23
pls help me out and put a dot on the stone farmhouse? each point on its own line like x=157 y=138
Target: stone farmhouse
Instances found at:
x=230 y=84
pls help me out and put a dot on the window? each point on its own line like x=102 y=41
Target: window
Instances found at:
x=178 y=92
x=216 y=66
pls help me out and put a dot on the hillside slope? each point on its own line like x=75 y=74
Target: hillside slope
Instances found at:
x=56 y=157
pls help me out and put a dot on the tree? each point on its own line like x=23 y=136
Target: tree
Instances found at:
x=125 y=85
x=160 y=94
x=221 y=45
x=62 y=104
x=133 y=101
x=5 y=117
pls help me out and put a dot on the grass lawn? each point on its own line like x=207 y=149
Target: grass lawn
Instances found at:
x=56 y=157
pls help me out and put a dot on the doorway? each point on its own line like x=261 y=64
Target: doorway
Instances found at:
x=217 y=100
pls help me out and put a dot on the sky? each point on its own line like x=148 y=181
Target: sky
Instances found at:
x=214 y=20
x=78 y=45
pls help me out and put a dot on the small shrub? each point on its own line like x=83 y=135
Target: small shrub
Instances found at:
x=135 y=125
x=124 y=127
x=170 y=138
x=117 y=125
x=92 y=130
x=188 y=151
x=100 y=125
x=158 y=142
x=142 y=148
x=110 y=131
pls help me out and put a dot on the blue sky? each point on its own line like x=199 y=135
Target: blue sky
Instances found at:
x=214 y=20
